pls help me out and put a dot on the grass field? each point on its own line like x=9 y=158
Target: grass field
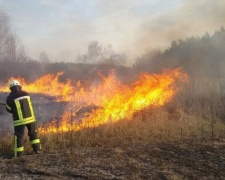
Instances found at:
x=185 y=139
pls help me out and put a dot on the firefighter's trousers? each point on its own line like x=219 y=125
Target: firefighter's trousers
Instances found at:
x=18 y=138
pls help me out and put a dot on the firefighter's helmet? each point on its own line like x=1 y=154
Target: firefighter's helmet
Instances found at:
x=14 y=83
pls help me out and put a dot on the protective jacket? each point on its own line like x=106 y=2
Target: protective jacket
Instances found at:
x=19 y=104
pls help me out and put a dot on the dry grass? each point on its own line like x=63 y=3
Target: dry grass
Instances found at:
x=151 y=125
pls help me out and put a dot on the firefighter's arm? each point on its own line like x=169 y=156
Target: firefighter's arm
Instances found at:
x=8 y=106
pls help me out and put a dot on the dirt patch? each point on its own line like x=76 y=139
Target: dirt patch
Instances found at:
x=158 y=161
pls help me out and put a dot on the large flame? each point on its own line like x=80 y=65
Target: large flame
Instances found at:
x=112 y=99
x=117 y=101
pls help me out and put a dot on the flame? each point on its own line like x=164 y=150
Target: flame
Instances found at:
x=113 y=100
x=48 y=85
x=117 y=101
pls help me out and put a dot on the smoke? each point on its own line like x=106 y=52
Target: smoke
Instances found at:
x=63 y=29
x=187 y=19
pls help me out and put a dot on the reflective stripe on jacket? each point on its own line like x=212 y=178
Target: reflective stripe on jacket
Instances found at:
x=25 y=111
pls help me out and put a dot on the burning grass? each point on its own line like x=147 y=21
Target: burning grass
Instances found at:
x=151 y=110
x=114 y=99
x=117 y=101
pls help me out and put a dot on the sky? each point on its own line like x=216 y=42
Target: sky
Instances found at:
x=64 y=28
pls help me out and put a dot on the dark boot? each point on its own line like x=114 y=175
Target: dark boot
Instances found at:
x=19 y=153
x=36 y=148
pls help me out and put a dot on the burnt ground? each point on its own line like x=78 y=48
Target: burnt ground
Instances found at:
x=46 y=109
x=158 y=161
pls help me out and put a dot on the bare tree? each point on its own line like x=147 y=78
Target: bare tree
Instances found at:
x=7 y=39
x=99 y=54
x=43 y=58
x=11 y=49
x=94 y=51
x=20 y=54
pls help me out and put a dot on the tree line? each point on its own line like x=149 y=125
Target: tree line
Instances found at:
x=199 y=56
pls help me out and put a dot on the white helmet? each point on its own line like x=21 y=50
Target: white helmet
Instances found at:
x=14 y=83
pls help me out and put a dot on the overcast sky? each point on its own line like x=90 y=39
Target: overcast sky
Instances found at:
x=64 y=28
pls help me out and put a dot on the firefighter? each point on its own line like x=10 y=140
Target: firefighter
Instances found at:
x=19 y=104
